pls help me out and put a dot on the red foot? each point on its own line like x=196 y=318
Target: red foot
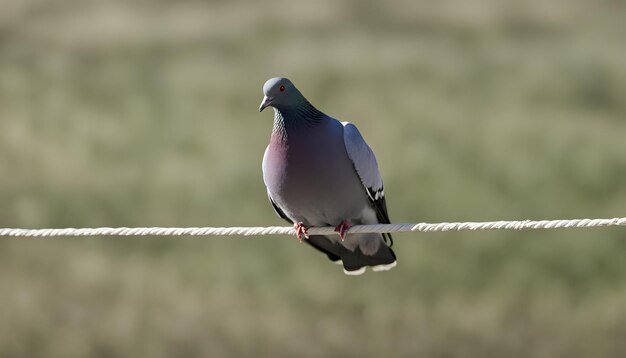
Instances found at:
x=301 y=231
x=343 y=228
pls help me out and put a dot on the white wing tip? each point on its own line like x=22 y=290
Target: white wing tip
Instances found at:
x=377 y=268
x=355 y=272
x=387 y=267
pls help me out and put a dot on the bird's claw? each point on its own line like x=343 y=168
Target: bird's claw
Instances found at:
x=343 y=228
x=301 y=231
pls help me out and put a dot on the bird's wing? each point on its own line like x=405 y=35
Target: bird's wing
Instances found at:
x=366 y=168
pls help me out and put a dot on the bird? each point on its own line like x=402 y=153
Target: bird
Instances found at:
x=319 y=171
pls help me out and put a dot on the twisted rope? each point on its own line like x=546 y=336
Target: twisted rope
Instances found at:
x=281 y=230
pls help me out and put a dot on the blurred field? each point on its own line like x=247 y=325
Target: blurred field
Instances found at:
x=142 y=113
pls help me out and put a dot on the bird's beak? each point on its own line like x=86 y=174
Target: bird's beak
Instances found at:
x=266 y=102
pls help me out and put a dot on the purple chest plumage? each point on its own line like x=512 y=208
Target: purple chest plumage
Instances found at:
x=310 y=176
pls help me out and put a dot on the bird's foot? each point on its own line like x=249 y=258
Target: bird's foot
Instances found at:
x=301 y=231
x=343 y=228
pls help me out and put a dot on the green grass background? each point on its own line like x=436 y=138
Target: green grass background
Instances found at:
x=145 y=113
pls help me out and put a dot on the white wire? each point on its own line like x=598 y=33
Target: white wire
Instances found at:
x=280 y=230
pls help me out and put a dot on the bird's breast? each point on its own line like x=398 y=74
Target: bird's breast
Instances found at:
x=312 y=178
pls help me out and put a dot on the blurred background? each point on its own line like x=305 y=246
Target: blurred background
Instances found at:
x=145 y=113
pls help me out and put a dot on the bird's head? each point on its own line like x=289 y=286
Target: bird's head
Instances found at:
x=280 y=93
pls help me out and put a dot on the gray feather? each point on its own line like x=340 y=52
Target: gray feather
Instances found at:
x=363 y=159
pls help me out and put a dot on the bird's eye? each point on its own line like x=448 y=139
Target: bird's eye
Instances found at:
x=281 y=88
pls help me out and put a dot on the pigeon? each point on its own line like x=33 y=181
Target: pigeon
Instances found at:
x=320 y=172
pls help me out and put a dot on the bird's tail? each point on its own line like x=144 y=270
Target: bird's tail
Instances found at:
x=355 y=262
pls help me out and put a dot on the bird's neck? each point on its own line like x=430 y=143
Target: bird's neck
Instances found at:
x=288 y=121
